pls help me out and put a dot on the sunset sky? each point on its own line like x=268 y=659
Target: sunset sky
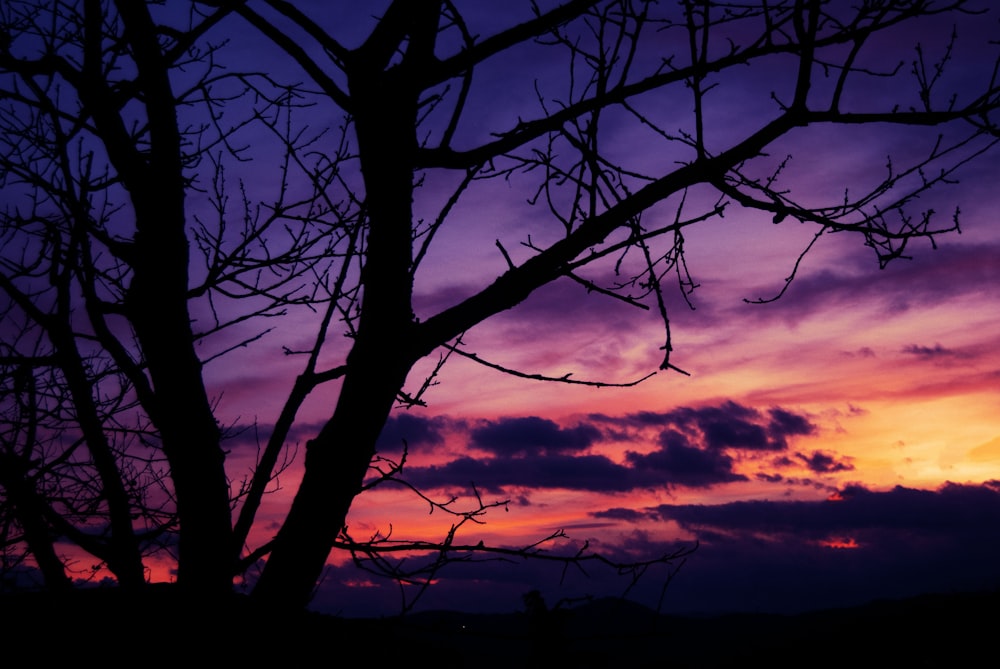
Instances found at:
x=837 y=445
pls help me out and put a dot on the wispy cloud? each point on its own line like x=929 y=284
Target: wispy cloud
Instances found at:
x=930 y=352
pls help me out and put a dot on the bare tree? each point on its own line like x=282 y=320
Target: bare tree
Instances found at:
x=97 y=277
x=112 y=118
x=406 y=87
x=115 y=114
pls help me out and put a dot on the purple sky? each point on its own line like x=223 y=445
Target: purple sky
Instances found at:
x=837 y=445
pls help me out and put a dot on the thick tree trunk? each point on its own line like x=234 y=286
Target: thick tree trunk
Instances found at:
x=336 y=464
x=338 y=458
x=190 y=436
x=158 y=310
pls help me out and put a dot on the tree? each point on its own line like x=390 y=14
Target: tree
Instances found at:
x=98 y=163
x=116 y=114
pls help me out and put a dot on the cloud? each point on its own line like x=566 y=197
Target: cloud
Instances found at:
x=620 y=513
x=729 y=425
x=676 y=464
x=530 y=435
x=952 y=509
x=412 y=429
x=788 y=556
x=692 y=449
x=930 y=352
x=595 y=473
x=784 y=423
x=823 y=462
x=686 y=465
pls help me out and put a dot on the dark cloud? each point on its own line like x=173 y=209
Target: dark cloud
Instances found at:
x=646 y=418
x=782 y=462
x=412 y=429
x=729 y=425
x=686 y=465
x=784 y=423
x=734 y=426
x=676 y=464
x=530 y=434
x=620 y=513
x=952 y=508
x=861 y=544
x=822 y=462
x=415 y=430
x=595 y=473
x=930 y=352
x=693 y=449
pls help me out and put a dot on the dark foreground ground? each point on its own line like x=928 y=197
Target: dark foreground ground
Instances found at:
x=956 y=630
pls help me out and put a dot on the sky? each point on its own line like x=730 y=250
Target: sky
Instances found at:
x=834 y=446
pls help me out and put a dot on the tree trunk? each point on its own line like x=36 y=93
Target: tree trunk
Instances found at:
x=157 y=307
x=335 y=466
x=337 y=459
x=190 y=436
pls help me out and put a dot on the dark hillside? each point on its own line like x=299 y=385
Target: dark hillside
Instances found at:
x=162 y=629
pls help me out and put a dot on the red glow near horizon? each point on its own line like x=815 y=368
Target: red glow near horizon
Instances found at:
x=846 y=543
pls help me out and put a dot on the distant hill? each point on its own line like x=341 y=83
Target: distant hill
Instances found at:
x=162 y=628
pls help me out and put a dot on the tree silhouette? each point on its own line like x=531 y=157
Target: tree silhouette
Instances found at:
x=116 y=114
